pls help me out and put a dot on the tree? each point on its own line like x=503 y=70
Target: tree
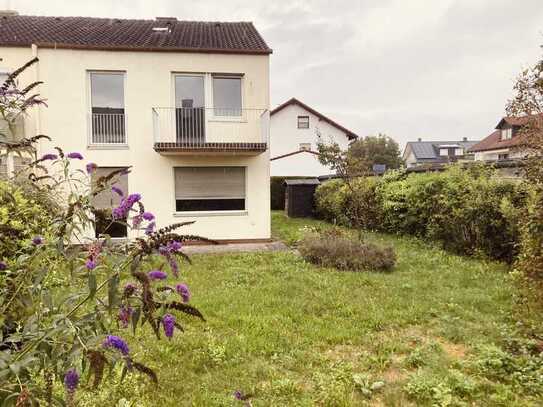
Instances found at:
x=528 y=103
x=379 y=149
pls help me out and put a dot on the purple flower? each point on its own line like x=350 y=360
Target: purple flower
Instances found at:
x=75 y=155
x=157 y=275
x=117 y=190
x=37 y=240
x=129 y=289
x=183 y=291
x=49 y=156
x=150 y=228
x=91 y=167
x=174 y=266
x=90 y=264
x=116 y=342
x=3 y=266
x=118 y=213
x=71 y=380
x=148 y=216
x=125 y=312
x=168 y=321
x=174 y=246
x=238 y=395
x=133 y=198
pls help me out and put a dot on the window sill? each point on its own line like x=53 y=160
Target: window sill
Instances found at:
x=203 y=214
x=107 y=147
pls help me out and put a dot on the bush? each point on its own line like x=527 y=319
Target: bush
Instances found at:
x=468 y=211
x=344 y=253
x=358 y=207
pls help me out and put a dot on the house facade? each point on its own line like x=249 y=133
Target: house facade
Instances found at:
x=437 y=152
x=503 y=143
x=295 y=129
x=184 y=104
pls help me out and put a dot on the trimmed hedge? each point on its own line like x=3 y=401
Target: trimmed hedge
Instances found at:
x=468 y=211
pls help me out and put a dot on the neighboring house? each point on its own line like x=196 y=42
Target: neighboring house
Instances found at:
x=185 y=104
x=502 y=144
x=294 y=133
x=437 y=152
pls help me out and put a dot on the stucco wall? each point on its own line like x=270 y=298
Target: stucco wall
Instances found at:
x=285 y=137
x=149 y=83
x=492 y=155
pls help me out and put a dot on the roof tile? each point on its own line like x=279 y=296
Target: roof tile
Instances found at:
x=135 y=35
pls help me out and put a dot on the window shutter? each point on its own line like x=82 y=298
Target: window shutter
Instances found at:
x=108 y=199
x=210 y=183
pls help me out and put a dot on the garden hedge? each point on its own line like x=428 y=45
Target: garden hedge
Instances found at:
x=468 y=211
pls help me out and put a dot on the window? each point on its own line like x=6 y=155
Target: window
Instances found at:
x=209 y=189
x=303 y=122
x=504 y=156
x=227 y=96
x=105 y=201
x=107 y=108
x=305 y=146
x=507 y=134
x=458 y=151
x=444 y=152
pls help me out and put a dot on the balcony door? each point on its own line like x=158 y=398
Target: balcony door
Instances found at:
x=189 y=109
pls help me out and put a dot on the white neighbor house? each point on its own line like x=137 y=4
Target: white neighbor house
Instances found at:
x=185 y=104
x=294 y=132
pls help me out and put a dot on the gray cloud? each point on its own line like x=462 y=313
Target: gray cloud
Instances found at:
x=439 y=69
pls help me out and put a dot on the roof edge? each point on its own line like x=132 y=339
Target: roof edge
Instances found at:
x=294 y=101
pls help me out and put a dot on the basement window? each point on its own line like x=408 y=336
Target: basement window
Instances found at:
x=201 y=189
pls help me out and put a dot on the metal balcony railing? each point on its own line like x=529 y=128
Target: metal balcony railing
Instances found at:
x=108 y=128
x=199 y=127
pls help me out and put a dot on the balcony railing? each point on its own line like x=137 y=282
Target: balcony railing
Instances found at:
x=108 y=128
x=199 y=129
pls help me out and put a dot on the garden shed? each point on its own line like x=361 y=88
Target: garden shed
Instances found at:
x=299 y=197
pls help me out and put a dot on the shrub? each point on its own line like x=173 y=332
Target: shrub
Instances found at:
x=344 y=253
x=466 y=210
x=357 y=207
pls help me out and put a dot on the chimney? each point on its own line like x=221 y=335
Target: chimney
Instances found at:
x=419 y=139
x=464 y=139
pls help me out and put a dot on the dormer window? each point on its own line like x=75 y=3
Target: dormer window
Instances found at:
x=458 y=151
x=507 y=134
x=444 y=152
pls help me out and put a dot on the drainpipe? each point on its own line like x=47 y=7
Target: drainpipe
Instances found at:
x=34 y=48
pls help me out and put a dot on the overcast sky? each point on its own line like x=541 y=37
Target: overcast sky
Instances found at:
x=436 y=69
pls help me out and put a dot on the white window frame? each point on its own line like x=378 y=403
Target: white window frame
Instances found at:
x=298 y=122
x=458 y=151
x=105 y=146
x=196 y=214
x=441 y=152
x=507 y=134
x=216 y=118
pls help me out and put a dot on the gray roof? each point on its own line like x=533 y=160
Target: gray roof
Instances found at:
x=430 y=149
x=302 y=181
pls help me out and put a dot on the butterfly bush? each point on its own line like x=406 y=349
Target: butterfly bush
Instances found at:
x=82 y=297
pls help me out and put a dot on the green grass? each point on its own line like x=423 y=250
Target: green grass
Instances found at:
x=294 y=334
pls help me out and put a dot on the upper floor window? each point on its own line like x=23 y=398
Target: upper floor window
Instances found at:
x=504 y=156
x=507 y=134
x=107 y=108
x=303 y=122
x=305 y=146
x=458 y=151
x=443 y=152
x=227 y=95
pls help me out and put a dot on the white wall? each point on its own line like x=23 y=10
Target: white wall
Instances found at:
x=149 y=84
x=285 y=137
x=492 y=155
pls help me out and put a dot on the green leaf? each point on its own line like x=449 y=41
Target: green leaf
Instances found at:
x=135 y=318
x=92 y=284
x=112 y=293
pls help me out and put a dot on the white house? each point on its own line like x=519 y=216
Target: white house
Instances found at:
x=185 y=104
x=294 y=132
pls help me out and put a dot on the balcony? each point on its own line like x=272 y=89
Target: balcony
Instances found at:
x=210 y=131
x=107 y=129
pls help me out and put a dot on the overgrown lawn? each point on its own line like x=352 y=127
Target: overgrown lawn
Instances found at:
x=294 y=334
